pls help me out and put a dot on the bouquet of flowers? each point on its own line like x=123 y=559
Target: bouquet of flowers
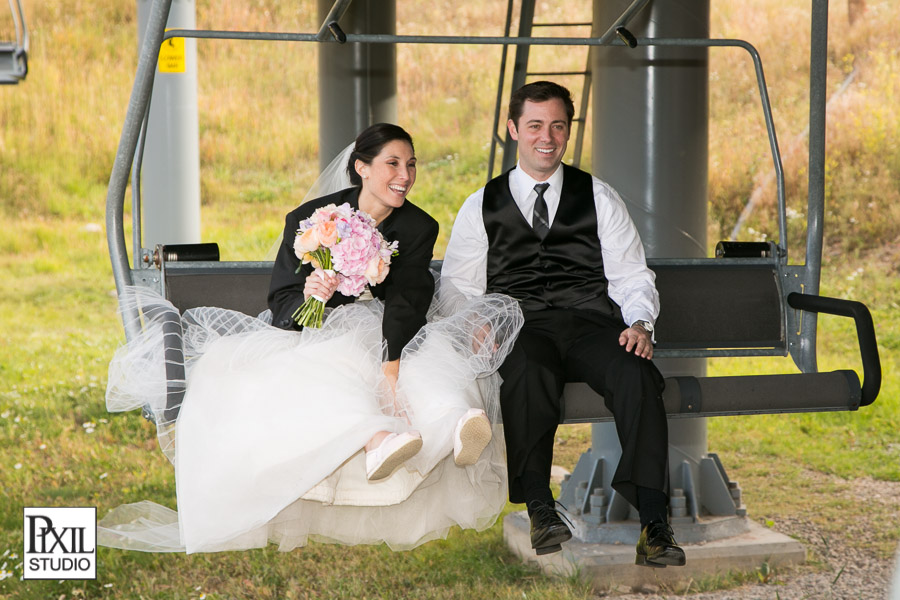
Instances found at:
x=342 y=241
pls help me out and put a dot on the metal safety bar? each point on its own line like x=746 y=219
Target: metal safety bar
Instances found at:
x=545 y=41
x=626 y=16
x=139 y=104
x=142 y=258
x=507 y=41
x=334 y=15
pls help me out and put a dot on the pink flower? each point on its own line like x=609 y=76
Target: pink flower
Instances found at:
x=352 y=285
x=351 y=255
x=326 y=213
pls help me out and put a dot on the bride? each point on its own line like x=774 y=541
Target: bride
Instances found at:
x=377 y=427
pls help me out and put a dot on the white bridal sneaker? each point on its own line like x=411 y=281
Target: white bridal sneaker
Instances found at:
x=473 y=432
x=393 y=451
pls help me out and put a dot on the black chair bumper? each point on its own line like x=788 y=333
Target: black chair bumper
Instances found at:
x=738 y=395
x=176 y=383
x=865 y=332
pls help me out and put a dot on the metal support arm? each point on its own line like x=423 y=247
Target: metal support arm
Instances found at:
x=118 y=179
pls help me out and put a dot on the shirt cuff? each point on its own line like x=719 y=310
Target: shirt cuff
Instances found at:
x=653 y=333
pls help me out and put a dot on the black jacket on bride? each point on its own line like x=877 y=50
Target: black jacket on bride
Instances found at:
x=406 y=291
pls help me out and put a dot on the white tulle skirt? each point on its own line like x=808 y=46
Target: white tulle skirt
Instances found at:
x=267 y=442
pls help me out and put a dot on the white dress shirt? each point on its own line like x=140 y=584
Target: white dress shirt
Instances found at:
x=632 y=285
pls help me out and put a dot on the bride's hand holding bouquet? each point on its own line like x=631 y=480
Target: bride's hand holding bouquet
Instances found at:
x=347 y=252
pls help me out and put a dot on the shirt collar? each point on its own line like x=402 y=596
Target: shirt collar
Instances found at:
x=525 y=183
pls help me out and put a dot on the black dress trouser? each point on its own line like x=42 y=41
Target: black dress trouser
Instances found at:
x=557 y=346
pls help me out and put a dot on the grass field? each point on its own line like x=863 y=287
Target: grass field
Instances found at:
x=58 y=323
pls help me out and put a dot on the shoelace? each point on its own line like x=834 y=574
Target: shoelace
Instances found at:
x=545 y=511
x=666 y=532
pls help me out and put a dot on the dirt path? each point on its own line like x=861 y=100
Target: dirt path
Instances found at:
x=841 y=567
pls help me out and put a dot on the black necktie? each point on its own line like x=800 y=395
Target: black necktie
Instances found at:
x=540 y=219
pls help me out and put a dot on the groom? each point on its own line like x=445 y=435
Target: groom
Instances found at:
x=562 y=243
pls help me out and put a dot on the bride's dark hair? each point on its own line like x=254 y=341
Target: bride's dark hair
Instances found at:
x=370 y=142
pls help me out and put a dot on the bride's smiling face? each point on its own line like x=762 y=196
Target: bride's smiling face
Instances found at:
x=387 y=180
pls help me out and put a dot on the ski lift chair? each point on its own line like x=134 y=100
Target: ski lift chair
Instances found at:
x=14 y=53
x=747 y=301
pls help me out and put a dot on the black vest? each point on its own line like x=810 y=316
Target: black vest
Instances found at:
x=566 y=269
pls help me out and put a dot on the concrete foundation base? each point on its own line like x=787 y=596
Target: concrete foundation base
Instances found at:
x=612 y=564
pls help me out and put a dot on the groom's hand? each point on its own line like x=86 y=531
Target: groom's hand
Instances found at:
x=637 y=340
x=482 y=335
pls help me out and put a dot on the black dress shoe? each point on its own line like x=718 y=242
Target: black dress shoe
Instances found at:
x=547 y=528
x=657 y=548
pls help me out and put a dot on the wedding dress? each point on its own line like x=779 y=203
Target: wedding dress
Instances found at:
x=267 y=444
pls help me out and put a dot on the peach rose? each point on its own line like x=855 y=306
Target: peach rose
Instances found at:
x=327 y=233
x=306 y=242
x=376 y=271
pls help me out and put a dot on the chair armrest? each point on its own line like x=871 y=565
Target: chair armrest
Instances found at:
x=865 y=332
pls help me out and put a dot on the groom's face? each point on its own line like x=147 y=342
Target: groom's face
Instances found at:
x=542 y=133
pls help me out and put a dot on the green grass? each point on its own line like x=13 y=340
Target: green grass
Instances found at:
x=461 y=567
x=58 y=323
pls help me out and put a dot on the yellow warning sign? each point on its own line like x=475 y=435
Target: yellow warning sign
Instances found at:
x=171 y=56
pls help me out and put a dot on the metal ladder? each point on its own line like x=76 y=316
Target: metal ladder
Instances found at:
x=500 y=136
x=14 y=53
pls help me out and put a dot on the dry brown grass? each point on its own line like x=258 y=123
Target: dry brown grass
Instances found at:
x=259 y=109
x=863 y=164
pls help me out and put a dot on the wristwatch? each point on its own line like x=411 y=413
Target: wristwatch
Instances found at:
x=645 y=325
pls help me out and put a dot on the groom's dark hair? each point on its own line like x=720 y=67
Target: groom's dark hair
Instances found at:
x=539 y=91
x=370 y=142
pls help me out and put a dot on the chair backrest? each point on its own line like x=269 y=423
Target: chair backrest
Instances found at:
x=719 y=304
x=713 y=307
x=241 y=286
